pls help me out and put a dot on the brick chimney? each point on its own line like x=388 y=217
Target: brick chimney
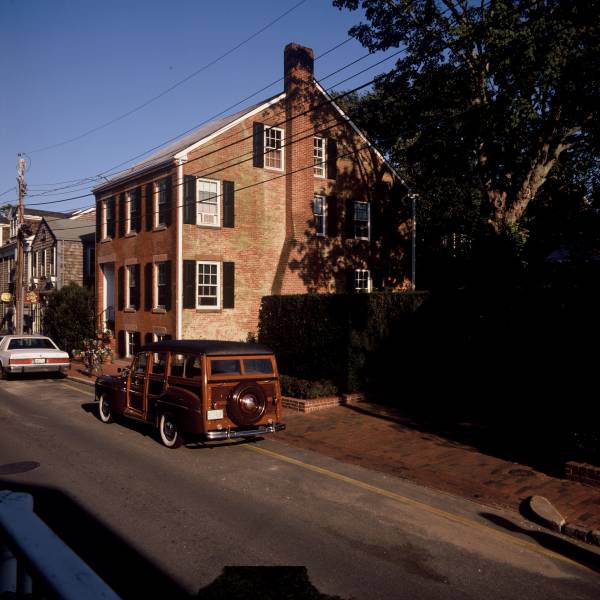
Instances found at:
x=300 y=97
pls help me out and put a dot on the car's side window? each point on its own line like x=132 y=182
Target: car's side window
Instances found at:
x=159 y=362
x=177 y=363
x=193 y=367
x=140 y=363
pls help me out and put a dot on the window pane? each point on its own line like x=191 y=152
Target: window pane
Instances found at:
x=258 y=365
x=159 y=362
x=225 y=367
x=177 y=363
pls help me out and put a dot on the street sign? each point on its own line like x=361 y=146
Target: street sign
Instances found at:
x=31 y=297
x=6 y=297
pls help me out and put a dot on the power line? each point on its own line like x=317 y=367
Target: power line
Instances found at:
x=175 y=85
x=179 y=135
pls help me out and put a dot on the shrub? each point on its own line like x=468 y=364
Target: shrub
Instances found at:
x=69 y=317
x=332 y=336
x=302 y=388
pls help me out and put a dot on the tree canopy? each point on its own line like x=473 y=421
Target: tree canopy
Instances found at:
x=487 y=99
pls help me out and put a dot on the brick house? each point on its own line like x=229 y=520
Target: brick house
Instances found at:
x=286 y=196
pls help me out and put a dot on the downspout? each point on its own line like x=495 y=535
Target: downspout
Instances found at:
x=179 y=253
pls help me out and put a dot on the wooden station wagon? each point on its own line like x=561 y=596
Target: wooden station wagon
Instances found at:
x=212 y=389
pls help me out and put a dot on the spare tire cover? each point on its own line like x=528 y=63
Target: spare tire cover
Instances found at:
x=247 y=404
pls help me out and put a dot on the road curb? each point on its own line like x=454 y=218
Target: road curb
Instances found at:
x=80 y=380
x=543 y=512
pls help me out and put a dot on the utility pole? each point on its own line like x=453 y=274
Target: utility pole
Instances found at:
x=19 y=291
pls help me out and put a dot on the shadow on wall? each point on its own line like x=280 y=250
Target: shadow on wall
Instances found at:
x=327 y=263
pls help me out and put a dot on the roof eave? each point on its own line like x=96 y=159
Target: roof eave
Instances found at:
x=131 y=176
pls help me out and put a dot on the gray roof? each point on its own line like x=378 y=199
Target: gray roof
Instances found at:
x=78 y=230
x=166 y=154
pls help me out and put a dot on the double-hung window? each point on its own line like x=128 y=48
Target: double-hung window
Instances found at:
x=362 y=280
x=274 y=148
x=319 y=156
x=162 y=203
x=209 y=285
x=320 y=215
x=53 y=261
x=132 y=338
x=131 y=287
x=362 y=220
x=208 y=205
x=161 y=285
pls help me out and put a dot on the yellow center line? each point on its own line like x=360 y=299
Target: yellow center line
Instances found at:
x=421 y=505
x=72 y=387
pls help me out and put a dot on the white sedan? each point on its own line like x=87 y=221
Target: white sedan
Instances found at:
x=31 y=354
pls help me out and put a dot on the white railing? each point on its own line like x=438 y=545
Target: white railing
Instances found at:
x=34 y=560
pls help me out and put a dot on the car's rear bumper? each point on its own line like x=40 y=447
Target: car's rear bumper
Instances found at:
x=52 y=368
x=226 y=434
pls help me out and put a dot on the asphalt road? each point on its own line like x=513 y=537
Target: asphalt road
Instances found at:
x=178 y=523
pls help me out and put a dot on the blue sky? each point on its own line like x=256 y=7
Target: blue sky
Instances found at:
x=68 y=66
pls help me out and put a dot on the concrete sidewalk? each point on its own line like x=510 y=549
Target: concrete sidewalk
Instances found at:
x=381 y=438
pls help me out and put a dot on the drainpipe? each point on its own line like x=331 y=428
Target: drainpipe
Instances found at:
x=179 y=253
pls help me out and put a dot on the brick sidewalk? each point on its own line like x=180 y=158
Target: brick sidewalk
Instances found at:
x=379 y=438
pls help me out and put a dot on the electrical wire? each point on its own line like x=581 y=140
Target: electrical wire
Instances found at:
x=174 y=86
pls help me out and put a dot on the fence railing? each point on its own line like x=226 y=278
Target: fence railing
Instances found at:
x=35 y=562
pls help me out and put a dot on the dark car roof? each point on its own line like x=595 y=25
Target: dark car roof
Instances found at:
x=209 y=347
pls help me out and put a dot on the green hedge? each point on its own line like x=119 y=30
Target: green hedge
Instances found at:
x=332 y=336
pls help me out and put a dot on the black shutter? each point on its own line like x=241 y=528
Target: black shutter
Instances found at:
x=137 y=341
x=98 y=221
x=228 y=285
x=189 y=199
x=377 y=279
x=169 y=204
x=332 y=216
x=168 y=278
x=135 y=300
x=148 y=338
x=331 y=158
x=189 y=284
x=228 y=204
x=258 y=145
x=110 y=225
x=148 y=304
x=349 y=220
x=167 y=336
x=350 y=280
x=121 y=343
x=121 y=215
x=149 y=206
x=121 y=284
x=137 y=226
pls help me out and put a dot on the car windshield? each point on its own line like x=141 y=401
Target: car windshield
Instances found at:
x=30 y=344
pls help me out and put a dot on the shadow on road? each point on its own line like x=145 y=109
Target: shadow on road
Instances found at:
x=551 y=542
x=266 y=583
x=110 y=556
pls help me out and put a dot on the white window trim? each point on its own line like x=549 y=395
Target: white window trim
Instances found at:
x=368 y=220
x=104 y=223
x=369 y=281
x=282 y=149
x=128 y=353
x=324 y=215
x=219 y=202
x=217 y=306
x=319 y=164
x=128 y=270
x=155 y=303
x=128 y=213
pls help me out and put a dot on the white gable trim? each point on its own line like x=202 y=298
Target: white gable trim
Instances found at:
x=182 y=154
x=360 y=133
